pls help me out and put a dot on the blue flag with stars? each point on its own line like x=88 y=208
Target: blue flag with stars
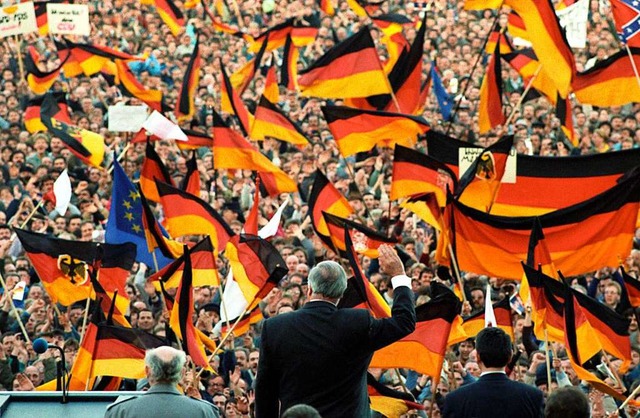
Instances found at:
x=444 y=99
x=125 y=219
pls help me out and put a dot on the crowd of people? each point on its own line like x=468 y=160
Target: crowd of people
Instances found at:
x=29 y=164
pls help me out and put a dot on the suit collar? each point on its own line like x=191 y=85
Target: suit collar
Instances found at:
x=494 y=377
x=320 y=305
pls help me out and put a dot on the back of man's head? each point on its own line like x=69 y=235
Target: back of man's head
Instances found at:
x=328 y=279
x=493 y=346
x=301 y=411
x=164 y=365
x=567 y=402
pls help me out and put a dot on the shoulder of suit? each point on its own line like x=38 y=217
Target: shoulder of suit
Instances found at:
x=120 y=401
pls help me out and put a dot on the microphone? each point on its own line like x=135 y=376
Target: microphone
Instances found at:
x=40 y=345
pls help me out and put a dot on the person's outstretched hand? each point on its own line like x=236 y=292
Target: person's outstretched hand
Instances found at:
x=390 y=262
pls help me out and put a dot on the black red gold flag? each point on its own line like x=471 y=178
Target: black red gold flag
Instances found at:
x=59 y=111
x=153 y=169
x=271 y=122
x=367 y=241
x=389 y=402
x=475 y=323
x=185 y=107
x=325 y=198
x=171 y=15
x=490 y=113
x=191 y=181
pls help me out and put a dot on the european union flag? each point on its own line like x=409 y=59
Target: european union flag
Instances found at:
x=125 y=219
x=445 y=101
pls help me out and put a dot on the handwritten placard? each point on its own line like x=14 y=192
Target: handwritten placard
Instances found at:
x=68 y=19
x=17 y=20
x=127 y=118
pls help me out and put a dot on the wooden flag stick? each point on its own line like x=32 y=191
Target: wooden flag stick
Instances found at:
x=14 y=310
x=19 y=52
x=629 y=398
x=33 y=212
x=547 y=359
x=457 y=272
x=522 y=96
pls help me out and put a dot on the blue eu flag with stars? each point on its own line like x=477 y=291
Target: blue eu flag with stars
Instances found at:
x=445 y=101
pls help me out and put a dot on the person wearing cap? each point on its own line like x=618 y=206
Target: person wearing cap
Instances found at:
x=494 y=394
x=319 y=354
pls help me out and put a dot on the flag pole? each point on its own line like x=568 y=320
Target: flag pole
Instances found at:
x=633 y=63
x=629 y=398
x=524 y=93
x=84 y=319
x=19 y=52
x=119 y=157
x=473 y=69
x=547 y=359
x=222 y=302
x=33 y=212
x=457 y=272
x=13 y=308
x=614 y=371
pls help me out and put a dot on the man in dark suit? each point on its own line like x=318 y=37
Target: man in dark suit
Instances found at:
x=319 y=355
x=164 y=367
x=494 y=394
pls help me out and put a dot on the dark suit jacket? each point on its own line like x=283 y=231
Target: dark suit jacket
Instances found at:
x=319 y=356
x=494 y=395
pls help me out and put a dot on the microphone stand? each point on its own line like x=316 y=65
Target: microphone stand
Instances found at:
x=61 y=372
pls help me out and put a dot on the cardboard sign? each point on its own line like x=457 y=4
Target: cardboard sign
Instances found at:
x=17 y=20
x=466 y=157
x=68 y=19
x=126 y=118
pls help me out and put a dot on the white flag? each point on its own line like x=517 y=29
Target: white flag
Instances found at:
x=271 y=228
x=62 y=191
x=163 y=128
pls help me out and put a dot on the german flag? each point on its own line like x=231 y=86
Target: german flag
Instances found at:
x=392 y=38
x=40 y=9
x=544 y=184
x=611 y=328
x=113 y=305
x=482 y=4
x=349 y=69
x=90 y=59
x=609 y=82
x=153 y=169
x=547 y=301
x=327 y=7
x=39 y=81
x=548 y=40
x=63 y=266
x=516 y=27
x=580 y=342
x=361 y=293
x=240 y=79
x=356 y=130
x=490 y=113
x=119 y=351
x=423 y=350
x=494 y=245
x=60 y=111
x=417 y=173
x=220 y=26
x=389 y=402
x=185 y=107
x=271 y=122
x=256 y=265
x=195 y=140
x=230 y=102
x=271 y=91
x=154 y=234
x=191 y=181
x=625 y=15
x=171 y=15
x=189 y=215
x=305 y=32
x=479 y=185
x=633 y=288
x=426 y=206
x=475 y=323
x=526 y=63
x=497 y=38
x=367 y=240
x=357 y=8
x=565 y=115
x=289 y=66
x=325 y=198
x=131 y=87
x=203 y=268
x=230 y=150
x=273 y=38
x=86 y=145
x=244 y=323
x=181 y=317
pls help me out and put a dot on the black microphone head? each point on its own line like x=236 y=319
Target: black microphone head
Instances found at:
x=40 y=345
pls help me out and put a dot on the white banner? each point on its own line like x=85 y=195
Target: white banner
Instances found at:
x=466 y=157
x=574 y=20
x=17 y=20
x=126 y=118
x=68 y=19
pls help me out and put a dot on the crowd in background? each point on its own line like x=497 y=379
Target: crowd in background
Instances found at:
x=30 y=163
